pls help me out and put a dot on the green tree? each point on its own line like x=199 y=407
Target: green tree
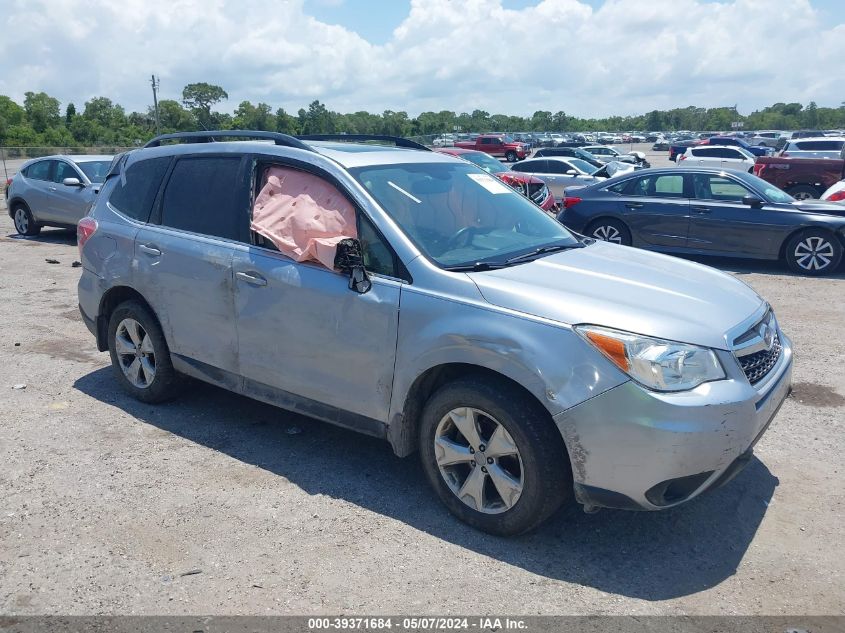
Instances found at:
x=285 y=123
x=199 y=98
x=250 y=117
x=42 y=110
x=70 y=112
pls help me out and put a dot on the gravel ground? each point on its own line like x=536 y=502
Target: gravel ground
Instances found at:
x=215 y=504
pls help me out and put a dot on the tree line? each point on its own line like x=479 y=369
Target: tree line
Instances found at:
x=40 y=121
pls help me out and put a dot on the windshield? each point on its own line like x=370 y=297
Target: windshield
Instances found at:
x=95 y=170
x=458 y=215
x=507 y=139
x=583 y=166
x=485 y=161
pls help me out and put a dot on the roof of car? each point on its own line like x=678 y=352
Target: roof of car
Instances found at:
x=456 y=150
x=347 y=154
x=807 y=139
x=76 y=158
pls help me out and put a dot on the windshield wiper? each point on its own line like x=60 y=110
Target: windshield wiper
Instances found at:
x=542 y=251
x=476 y=267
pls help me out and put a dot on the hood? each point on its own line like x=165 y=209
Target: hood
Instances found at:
x=625 y=288
x=819 y=206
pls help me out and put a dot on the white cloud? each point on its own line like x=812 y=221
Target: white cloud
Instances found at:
x=629 y=56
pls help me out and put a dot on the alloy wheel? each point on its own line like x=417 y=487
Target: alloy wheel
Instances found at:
x=608 y=234
x=803 y=195
x=21 y=221
x=814 y=253
x=135 y=353
x=479 y=460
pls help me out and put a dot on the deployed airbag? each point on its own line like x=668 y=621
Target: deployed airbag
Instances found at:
x=302 y=215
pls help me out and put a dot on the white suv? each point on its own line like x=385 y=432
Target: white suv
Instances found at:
x=717 y=156
x=821 y=147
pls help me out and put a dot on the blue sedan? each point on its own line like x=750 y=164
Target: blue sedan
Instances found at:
x=709 y=212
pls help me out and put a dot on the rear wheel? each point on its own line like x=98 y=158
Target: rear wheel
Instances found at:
x=610 y=230
x=139 y=354
x=813 y=252
x=25 y=224
x=493 y=456
x=803 y=192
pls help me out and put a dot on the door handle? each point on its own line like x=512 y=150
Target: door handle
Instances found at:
x=252 y=278
x=52 y=188
x=634 y=205
x=149 y=250
x=700 y=209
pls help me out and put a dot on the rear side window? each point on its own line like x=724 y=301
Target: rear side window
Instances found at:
x=136 y=189
x=819 y=146
x=203 y=195
x=39 y=170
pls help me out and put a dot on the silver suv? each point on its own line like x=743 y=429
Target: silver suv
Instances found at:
x=525 y=363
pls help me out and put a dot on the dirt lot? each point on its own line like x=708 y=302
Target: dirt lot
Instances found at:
x=215 y=504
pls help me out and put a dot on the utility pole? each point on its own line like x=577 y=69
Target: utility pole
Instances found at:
x=155 y=84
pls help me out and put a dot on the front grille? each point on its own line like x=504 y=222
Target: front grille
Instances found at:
x=757 y=365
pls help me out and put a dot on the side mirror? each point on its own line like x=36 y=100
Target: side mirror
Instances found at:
x=752 y=201
x=350 y=260
x=571 y=172
x=72 y=182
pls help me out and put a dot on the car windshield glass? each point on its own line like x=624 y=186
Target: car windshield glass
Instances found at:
x=485 y=161
x=95 y=170
x=458 y=215
x=507 y=139
x=582 y=165
x=770 y=191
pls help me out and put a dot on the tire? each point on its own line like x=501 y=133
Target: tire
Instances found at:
x=150 y=350
x=540 y=467
x=813 y=252
x=609 y=230
x=510 y=157
x=25 y=224
x=803 y=192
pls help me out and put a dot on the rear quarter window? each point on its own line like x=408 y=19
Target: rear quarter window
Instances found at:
x=135 y=191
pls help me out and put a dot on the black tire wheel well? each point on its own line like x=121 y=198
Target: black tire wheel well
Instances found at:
x=404 y=440
x=14 y=204
x=838 y=239
x=110 y=301
x=613 y=221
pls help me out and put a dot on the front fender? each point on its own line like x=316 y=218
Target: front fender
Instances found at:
x=546 y=358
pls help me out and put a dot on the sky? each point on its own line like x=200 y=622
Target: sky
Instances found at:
x=587 y=58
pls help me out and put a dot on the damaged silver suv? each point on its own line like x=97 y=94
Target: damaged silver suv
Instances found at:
x=409 y=295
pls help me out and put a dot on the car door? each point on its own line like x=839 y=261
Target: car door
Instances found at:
x=731 y=158
x=36 y=194
x=183 y=259
x=541 y=169
x=657 y=210
x=69 y=203
x=496 y=147
x=721 y=223
x=310 y=343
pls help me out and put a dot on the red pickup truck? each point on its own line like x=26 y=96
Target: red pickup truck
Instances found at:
x=497 y=145
x=802 y=178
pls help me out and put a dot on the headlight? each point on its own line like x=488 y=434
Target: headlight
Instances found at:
x=655 y=363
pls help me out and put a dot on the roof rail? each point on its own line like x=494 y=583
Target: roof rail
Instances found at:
x=398 y=141
x=209 y=136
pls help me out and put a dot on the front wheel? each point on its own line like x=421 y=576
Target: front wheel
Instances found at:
x=510 y=157
x=493 y=456
x=610 y=230
x=25 y=224
x=813 y=252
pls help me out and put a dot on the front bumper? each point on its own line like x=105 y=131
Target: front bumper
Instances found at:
x=637 y=449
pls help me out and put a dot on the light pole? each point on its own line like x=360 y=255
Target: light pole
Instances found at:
x=155 y=84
